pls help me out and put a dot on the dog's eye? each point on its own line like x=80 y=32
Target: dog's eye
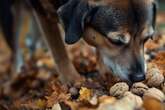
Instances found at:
x=117 y=40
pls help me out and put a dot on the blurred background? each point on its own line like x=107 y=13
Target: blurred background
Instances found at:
x=161 y=16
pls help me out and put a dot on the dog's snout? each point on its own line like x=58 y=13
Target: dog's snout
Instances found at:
x=137 y=77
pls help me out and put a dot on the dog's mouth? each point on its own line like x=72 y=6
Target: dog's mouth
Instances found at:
x=124 y=74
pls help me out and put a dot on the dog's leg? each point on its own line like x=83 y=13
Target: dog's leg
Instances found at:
x=67 y=72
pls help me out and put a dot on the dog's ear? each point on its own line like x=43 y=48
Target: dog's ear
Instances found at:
x=155 y=6
x=74 y=15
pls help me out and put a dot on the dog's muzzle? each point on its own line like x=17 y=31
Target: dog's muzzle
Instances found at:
x=137 y=77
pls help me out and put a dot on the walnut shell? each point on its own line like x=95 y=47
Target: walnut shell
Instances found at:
x=155 y=93
x=119 y=89
x=123 y=104
x=136 y=99
x=152 y=104
x=139 y=88
x=154 y=77
x=107 y=99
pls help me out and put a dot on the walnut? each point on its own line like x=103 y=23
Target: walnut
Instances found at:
x=136 y=99
x=123 y=104
x=119 y=89
x=107 y=99
x=139 y=88
x=154 y=93
x=154 y=77
x=152 y=104
x=163 y=87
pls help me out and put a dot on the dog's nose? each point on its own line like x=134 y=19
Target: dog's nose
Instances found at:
x=137 y=77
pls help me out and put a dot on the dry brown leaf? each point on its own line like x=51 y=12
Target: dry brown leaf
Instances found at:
x=85 y=94
x=150 y=45
x=59 y=94
x=160 y=61
x=40 y=103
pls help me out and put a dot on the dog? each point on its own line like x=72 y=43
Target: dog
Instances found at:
x=117 y=29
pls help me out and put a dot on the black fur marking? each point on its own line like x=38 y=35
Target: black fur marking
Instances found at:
x=155 y=5
x=6 y=20
x=108 y=18
x=74 y=15
x=38 y=7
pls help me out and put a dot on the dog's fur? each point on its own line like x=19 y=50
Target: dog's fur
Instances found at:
x=117 y=28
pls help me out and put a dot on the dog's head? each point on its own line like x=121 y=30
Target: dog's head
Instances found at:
x=119 y=30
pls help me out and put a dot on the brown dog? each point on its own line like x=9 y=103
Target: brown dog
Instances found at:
x=117 y=28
